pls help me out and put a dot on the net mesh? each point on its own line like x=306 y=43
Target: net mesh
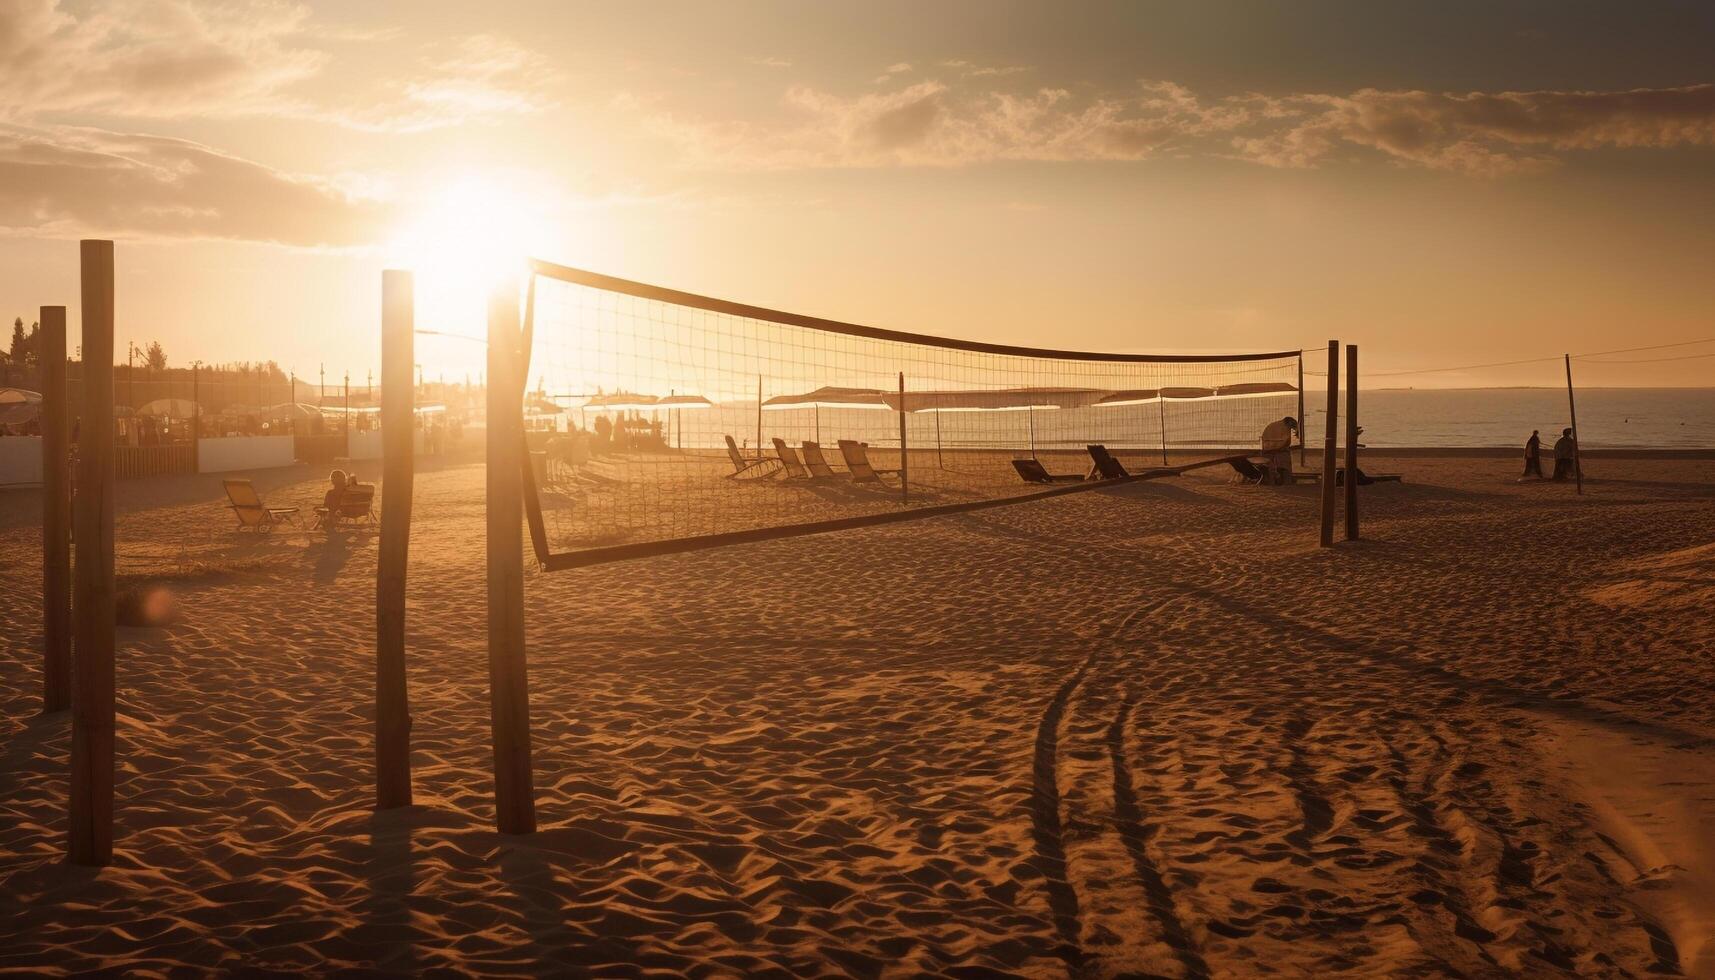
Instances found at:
x=656 y=416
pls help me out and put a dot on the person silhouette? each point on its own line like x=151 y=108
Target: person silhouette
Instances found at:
x=1564 y=451
x=1532 y=456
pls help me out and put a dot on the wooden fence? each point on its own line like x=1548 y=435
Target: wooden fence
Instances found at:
x=132 y=461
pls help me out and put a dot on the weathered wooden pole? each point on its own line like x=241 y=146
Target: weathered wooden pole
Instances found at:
x=1301 y=431
x=1351 y=442
x=759 y=414
x=56 y=513
x=1161 y=414
x=1330 y=442
x=508 y=680
x=904 y=467
x=392 y=703
x=93 y=599
x=1572 y=408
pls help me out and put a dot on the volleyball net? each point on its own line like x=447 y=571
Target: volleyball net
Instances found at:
x=660 y=421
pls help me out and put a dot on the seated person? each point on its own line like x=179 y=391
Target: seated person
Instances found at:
x=1277 y=450
x=331 y=499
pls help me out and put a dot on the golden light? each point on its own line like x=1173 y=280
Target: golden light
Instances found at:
x=472 y=233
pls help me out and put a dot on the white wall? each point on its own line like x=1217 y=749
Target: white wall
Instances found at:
x=20 y=460
x=243 y=453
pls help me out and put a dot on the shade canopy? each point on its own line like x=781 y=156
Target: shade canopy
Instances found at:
x=1256 y=389
x=542 y=406
x=993 y=399
x=684 y=401
x=19 y=396
x=170 y=408
x=1146 y=396
x=621 y=401
x=292 y=410
x=831 y=397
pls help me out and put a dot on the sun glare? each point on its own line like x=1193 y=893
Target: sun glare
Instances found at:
x=470 y=235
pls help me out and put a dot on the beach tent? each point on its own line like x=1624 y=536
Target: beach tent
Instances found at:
x=19 y=406
x=169 y=408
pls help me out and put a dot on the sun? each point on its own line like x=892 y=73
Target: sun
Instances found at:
x=470 y=234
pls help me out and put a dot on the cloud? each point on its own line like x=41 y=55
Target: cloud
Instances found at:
x=149 y=59
x=1490 y=133
x=932 y=123
x=770 y=62
x=93 y=182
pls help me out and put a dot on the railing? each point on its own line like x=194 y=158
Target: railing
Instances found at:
x=133 y=461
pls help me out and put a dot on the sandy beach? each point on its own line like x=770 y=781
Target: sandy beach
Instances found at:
x=1146 y=730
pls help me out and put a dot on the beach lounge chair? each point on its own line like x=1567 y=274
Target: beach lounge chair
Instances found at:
x=857 y=461
x=742 y=464
x=251 y=512
x=1365 y=479
x=1107 y=467
x=1032 y=471
x=1247 y=469
x=356 y=506
x=789 y=463
x=813 y=461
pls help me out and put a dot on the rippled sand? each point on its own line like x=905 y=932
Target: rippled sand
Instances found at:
x=1151 y=729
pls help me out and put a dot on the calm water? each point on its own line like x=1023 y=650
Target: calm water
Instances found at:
x=1607 y=417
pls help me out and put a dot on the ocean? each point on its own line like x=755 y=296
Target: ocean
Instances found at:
x=1653 y=418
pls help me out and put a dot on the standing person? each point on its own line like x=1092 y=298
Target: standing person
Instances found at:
x=1563 y=456
x=1532 y=456
x=1277 y=450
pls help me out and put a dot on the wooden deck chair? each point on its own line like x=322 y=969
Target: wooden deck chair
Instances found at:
x=251 y=512
x=742 y=464
x=813 y=461
x=789 y=463
x=1107 y=467
x=1032 y=471
x=856 y=456
x=356 y=506
x=1247 y=469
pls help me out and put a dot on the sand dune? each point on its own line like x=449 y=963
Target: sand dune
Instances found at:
x=1149 y=730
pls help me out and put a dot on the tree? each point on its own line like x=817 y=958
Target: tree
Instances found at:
x=20 y=343
x=157 y=358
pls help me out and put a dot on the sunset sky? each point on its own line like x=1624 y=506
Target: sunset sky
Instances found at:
x=1445 y=184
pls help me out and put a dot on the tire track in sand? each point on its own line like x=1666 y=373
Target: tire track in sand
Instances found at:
x=1136 y=834
x=1047 y=829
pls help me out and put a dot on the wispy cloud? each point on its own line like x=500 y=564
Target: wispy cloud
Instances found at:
x=148 y=59
x=85 y=181
x=934 y=123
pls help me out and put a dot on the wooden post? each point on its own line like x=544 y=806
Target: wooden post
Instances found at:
x=93 y=599
x=1351 y=442
x=940 y=460
x=392 y=702
x=1302 y=463
x=1330 y=442
x=1161 y=412
x=508 y=681
x=1572 y=408
x=904 y=467
x=56 y=513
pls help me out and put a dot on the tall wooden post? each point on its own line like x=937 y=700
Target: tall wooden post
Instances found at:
x=56 y=513
x=93 y=599
x=1572 y=408
x=508 y=681
x=1330 y=442
x=759 y=415
x=904 y=466
x=1302 y=449
x=392 y=703
x=1161 y=415
x=1351 y=442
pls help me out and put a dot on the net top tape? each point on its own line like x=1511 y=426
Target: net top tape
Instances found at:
x=692 y=300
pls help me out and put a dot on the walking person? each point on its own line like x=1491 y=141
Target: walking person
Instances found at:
x=1565 y=453
x=1532 y=456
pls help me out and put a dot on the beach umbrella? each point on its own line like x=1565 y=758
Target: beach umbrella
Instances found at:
x=169 y=408
x=684 y=401
x=19 y=396
x=292 y=411
x=1255 y=389
x=621 y=401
